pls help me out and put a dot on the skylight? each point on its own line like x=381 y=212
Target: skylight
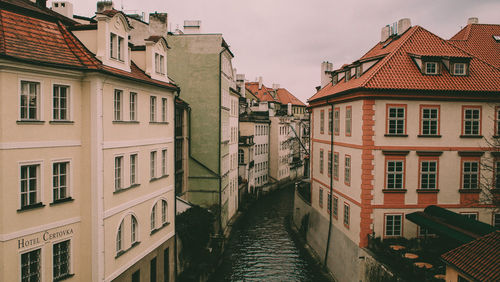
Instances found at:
x=497 y=38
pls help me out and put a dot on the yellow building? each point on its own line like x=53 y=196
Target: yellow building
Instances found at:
x=86 y=149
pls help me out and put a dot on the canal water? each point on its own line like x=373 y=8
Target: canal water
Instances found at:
x=261 y=248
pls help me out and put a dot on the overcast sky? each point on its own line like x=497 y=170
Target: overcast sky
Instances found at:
x=285 y=41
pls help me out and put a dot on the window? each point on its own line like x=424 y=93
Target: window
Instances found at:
x=164 y=206
x=30 y=266
x=118 y=104
x=497 y=174
x=348 y=120
x=112 y=44
x=335 y=207
x=133 y=106
x=321 y=122
x=153 y=218
x=164 y=106
x=429 y=120
x=321 y=164
x=496 y=220
x=118 y=172
x=60 y=181
x=136 y=276
x=116 y=46
x=428 y=174
x=470 y=174
x=424 y=232
x=329 y=203
x=459 y=68
x=152 y=270
x=330 y=121
x=152 y=163
x=159 y=63
x=497 y=121
x=30 y=92
x=336 y=165
x=347 y=170
x=29 y=185
x=152 y=109
x=329 y=163
x=119 y=238
x=61 y=260
x=470 y=215
x=396 y=119
x=133 y=169
x=471 y=121
x=431 y=68
x=133 y=229
x=395 y=174
x=320 y=198
x=336 y=118
x=164 y=162
x=346 y=215
x=60 y=102
x=393 y=225
x=241 y=156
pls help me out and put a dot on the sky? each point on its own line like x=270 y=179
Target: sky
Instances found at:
x=285 y=41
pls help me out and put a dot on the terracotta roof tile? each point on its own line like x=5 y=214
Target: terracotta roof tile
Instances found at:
x=397 y=70
x=266 y=94
x=477 y=39
x=479 y=259
x=286 y=97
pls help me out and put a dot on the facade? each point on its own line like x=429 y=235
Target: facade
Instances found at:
x=399 y=129
x=201 y=65
x=182 y=112
x=92 y=201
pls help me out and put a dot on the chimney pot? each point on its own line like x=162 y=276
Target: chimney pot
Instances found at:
x=473 y=20
x=326 y=68
x=104 y=5
x=384 y=34
x=403 y=25
x=260 y=82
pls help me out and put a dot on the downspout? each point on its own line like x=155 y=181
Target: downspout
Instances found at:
x=331 y=185
x=175 y=192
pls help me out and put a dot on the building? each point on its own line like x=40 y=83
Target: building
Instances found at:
x=201 y=65
x=93 y=202
x=393 y=132
x=182 y=115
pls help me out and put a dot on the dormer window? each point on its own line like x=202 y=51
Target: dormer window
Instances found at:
x=347 y=75
x=116 y=48
x=431 y=68
x=159 y=63
x=459 y=68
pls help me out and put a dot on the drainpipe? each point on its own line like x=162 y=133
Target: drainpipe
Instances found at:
x=331 y=186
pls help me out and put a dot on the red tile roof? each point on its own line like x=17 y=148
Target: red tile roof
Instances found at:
x=48 y=42
x=286 y=97
x=397 y=70
x=477 y=39
x=266 y=94
x=478 y=259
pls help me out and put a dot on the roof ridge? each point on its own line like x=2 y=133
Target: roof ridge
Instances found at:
x=74 y=41
x=390 y=55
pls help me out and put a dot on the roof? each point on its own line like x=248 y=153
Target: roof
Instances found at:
x=397 y=70
x=266 y=94
x=477 y=39
x=286 y=97
x=33 y=8
x=37 y=40
x=479 y=259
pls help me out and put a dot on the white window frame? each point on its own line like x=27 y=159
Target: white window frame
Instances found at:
x=133 y=168
x=70 y=266
x=133 y=106
x=469 y=130
x=164 y=109
x=164 y=162
x=393 y=227
x=470 y=173
x=39 y=99
x=427 y=67
x=68 y=102
x=152 y=164
x=119 y=238
x=117 y=105
x=395 y=173
x=152 y=108
x=429 y=173
x=134 y=231
x=152 y=218
x=430 y=120
x=118 y=179
x=464 y=69
x=164 y=211
x=396 y=119
x=69 y=178
x=40 y=262
x=39 y=180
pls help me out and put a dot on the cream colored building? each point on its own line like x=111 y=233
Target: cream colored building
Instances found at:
x=86 y=147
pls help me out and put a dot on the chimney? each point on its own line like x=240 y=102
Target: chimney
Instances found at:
x=289 y=109
x=326 y=68
x=64 y=8
x=276 y=86
x=41 y=3
x=158 y=24
x=104 y=5
x=403 y=25
x=384 y=35
x=240 y=77
x=473 y=20
x=192 y=27
x=260 y=82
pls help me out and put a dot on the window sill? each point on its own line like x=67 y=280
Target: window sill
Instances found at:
x=469 y=191
x=60 y=201
x=126 y=188
x=31 y=207
x=472 y=136
x=393 y=190
x=158 y=178
x=125 y=122
x=27 y=121
x=428 y=136
x=429 y=191
x=159 y=228
x=120 y=253
x=396 y=135
x=67 y=276
x=61 y=122
x=158 y=122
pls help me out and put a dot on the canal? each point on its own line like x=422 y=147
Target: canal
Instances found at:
x=262 y=249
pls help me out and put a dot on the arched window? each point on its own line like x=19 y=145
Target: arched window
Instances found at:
x=153 y=218
x=133 y=229
x=119 y=238
x=164 y=214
